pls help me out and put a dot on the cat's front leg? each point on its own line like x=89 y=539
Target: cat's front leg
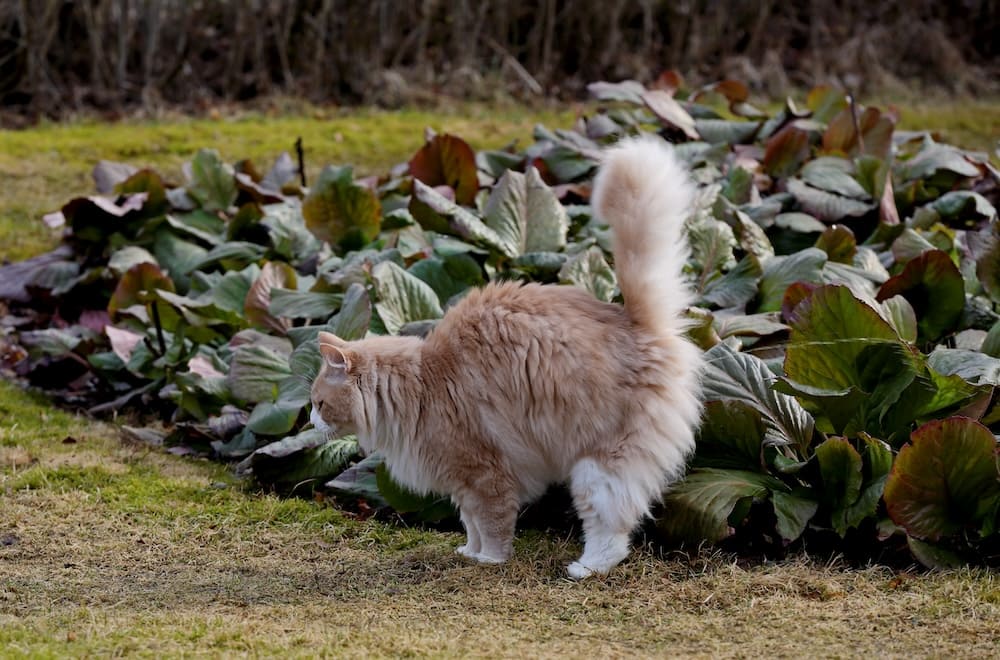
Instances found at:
x=472 y=543
x=489 y=524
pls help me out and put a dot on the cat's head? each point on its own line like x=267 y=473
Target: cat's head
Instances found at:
x=336 y=392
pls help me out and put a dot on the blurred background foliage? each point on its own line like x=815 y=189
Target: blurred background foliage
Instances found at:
x=59 y=57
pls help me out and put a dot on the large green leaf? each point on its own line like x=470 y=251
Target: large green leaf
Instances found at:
x=846 y=360
x=306 y=459
x=944 y=479
x=430 y=508
x=450 y=275
x=934 y=287
x=731 y=436
x=436 y=212
x=737 y=287
x=712 y=243
x=446 y=160
x=834 y=175
x=781 y=272
x=840 y=470
x=526 y=215
x=402 y=297
x=971 y=366
x=212 y=182
x=792 y=512
x=589 y=270
x=138 y=287
x=289 y=303
x=177 y=256
x=825 y=205
x=273 y=418
x=934 y=158
x=732 y=376
x=340 y=211
x=287 y=231
x=699 y=507
x=126 y=257
x=256 y=371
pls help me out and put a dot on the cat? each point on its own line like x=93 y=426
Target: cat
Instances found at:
x=520 y=386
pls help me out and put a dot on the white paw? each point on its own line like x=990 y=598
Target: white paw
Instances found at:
x=465 y=552
x=488 y=559
x=578 y=571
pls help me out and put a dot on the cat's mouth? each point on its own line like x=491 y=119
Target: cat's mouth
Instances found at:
x=319 y=423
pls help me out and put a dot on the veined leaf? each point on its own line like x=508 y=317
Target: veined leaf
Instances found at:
x=340 y=211
x=274 y=275
x=732 y=376
x=840 y=469
x=212 y=182
x=402 y=297
x=699 y=508
x=526 y=215
x=590 y=271
x=447 y=160
x=942 y=478
x=934 y=287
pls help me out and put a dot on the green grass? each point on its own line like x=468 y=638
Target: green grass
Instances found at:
x=109 y=547
x=44 y=167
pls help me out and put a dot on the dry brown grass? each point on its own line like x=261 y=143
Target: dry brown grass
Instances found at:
x=111 y=549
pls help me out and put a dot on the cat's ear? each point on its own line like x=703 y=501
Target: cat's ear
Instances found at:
x=335 y=357
x=329 y=338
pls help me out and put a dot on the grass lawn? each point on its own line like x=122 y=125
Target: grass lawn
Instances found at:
x=111 y=548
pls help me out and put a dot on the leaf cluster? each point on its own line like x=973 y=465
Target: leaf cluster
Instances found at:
x=846 y=278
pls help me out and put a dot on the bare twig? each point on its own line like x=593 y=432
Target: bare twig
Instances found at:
x=529 y=81
x=300 y=152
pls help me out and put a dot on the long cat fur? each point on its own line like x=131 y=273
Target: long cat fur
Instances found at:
x=523 y=385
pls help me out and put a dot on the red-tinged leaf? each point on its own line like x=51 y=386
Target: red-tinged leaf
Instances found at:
x=786 y=151
x=839 y=244
x=138 y=287
x=340 y=211
x=274 y=275
x=448 y=160
x=942 y=478
x=733 y=90
x=888 y=214
x=794 y=294
x=668 y=81
x=202 y=366
x=94 y=319
x=825 y=102
x=840 y=136
x=934 y=287
x=149 y=183
x=876 y=131
x=123 y=342
x=670 y=112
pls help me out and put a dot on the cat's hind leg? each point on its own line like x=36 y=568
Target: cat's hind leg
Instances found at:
x=609 y=507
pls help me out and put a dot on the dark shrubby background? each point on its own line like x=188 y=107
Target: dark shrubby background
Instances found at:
x=59 y=57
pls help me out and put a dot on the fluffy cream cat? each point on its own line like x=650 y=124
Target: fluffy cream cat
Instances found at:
x=523 y=385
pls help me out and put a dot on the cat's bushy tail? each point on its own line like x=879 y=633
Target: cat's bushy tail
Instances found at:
x=645 y=193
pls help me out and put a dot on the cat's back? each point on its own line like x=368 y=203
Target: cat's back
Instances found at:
x=515 y=313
